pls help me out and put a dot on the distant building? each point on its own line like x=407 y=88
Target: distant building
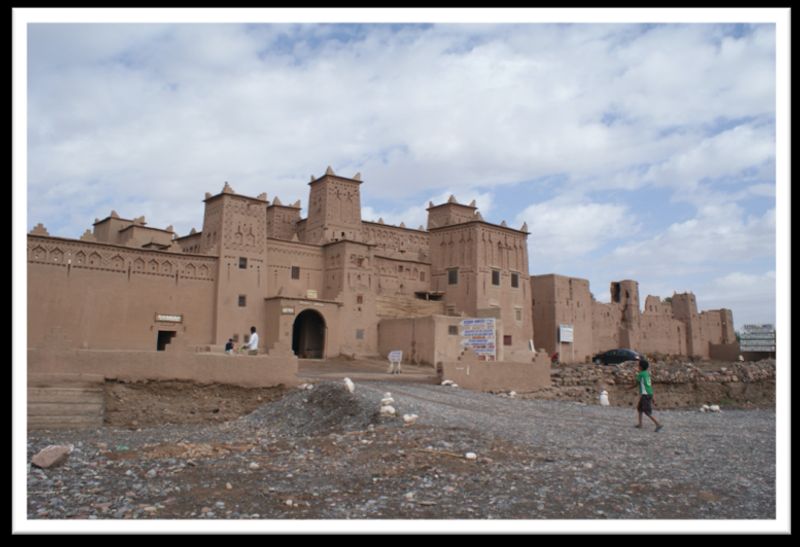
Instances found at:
x=672 y=326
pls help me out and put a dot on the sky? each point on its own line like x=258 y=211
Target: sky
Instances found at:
x=632 y=151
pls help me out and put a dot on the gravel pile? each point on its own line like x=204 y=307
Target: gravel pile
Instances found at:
x=325 y=408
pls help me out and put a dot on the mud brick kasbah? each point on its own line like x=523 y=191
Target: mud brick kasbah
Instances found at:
x=333 y=284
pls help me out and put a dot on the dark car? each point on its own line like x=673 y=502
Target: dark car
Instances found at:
x=615 y=356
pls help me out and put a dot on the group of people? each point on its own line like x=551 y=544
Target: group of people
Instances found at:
x=250 y=347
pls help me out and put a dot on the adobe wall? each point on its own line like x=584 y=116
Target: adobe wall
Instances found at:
x=242 y=370
x=563 y=300
x=668 y=327
x=661 y=333
x=106 y=296
x=425 y=340
x=469 y=373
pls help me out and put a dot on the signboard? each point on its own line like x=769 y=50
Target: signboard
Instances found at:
x=757 y=338
x=311 y=293
x=287 y=311
x=169 y=318
x=480 y=335
x=565 y=334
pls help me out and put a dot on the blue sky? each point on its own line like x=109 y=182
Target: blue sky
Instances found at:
x=632 y=151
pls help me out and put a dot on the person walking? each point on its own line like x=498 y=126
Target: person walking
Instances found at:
x=645 y=404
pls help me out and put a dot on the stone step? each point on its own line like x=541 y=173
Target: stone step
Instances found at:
x=57 y=401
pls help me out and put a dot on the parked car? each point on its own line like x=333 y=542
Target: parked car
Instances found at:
x=615 y=356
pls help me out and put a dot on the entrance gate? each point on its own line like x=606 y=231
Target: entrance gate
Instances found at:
x=308 y=335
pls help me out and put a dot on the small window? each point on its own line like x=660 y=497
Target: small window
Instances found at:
x=359 y=299
x=518 y=314
x=452 y=330
x=359 y=334
x=422 y=276
x=242 y=263
x=242 y=301
x=507 y=340
x=452 y=276
x=295 y=272
x=515 y=280
x=496 y=277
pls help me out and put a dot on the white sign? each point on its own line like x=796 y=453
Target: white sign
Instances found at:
x=311 y=293
x=757 y=338
x=287 y=311
x=480 y=335
x=395 y=356
x=166 y=318
x=565 y=333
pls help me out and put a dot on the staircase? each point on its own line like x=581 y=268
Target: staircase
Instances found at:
x=62 y=401
x=407 y=306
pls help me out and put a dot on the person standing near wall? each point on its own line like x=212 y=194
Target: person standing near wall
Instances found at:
x=251 y=347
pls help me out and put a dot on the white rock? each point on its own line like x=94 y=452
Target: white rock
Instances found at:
x=512 y=394
x=388 y=410
x=349 y=385
x=714 y=408
x=448 y=383
x=705 y=408
x=410 y=418
x=387 y=401
x=254 y=466
x=604 y=398
x=471 y=456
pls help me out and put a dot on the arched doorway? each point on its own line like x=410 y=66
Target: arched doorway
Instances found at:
x=308 y=335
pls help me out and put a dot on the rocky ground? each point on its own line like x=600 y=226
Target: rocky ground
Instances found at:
x=326 y=453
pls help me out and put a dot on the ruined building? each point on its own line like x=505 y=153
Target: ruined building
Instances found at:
x=331 y=284
x=670 y=327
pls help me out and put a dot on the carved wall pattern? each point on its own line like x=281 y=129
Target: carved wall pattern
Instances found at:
x=245 y=225
x=100 y=257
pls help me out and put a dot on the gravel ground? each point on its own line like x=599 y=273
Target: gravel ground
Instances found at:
x=325 y=453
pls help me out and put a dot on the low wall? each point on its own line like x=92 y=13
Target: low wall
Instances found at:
x=500 y=375
x=203 y=368
x=724 y=352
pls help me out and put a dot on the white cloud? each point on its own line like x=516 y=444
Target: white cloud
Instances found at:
x=565 y=228
x=414 y=109
x=417 y=215
x=751 y=296
x=719 y=234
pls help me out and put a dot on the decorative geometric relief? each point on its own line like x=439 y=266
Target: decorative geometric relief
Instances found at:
x=152 y=266
x=166 y=267
x=138 y=265
x=117 y=262
x=38 y=253
x=203 y=271
x=191 y=271
x=80 y=258
x=95 y=259
x=57 y=255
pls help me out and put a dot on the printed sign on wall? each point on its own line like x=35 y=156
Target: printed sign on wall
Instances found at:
x=480 y=335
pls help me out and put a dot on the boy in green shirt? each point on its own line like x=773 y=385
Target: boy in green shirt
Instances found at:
x=645 y=405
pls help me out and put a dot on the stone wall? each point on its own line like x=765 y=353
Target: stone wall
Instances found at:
x=675 y=384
